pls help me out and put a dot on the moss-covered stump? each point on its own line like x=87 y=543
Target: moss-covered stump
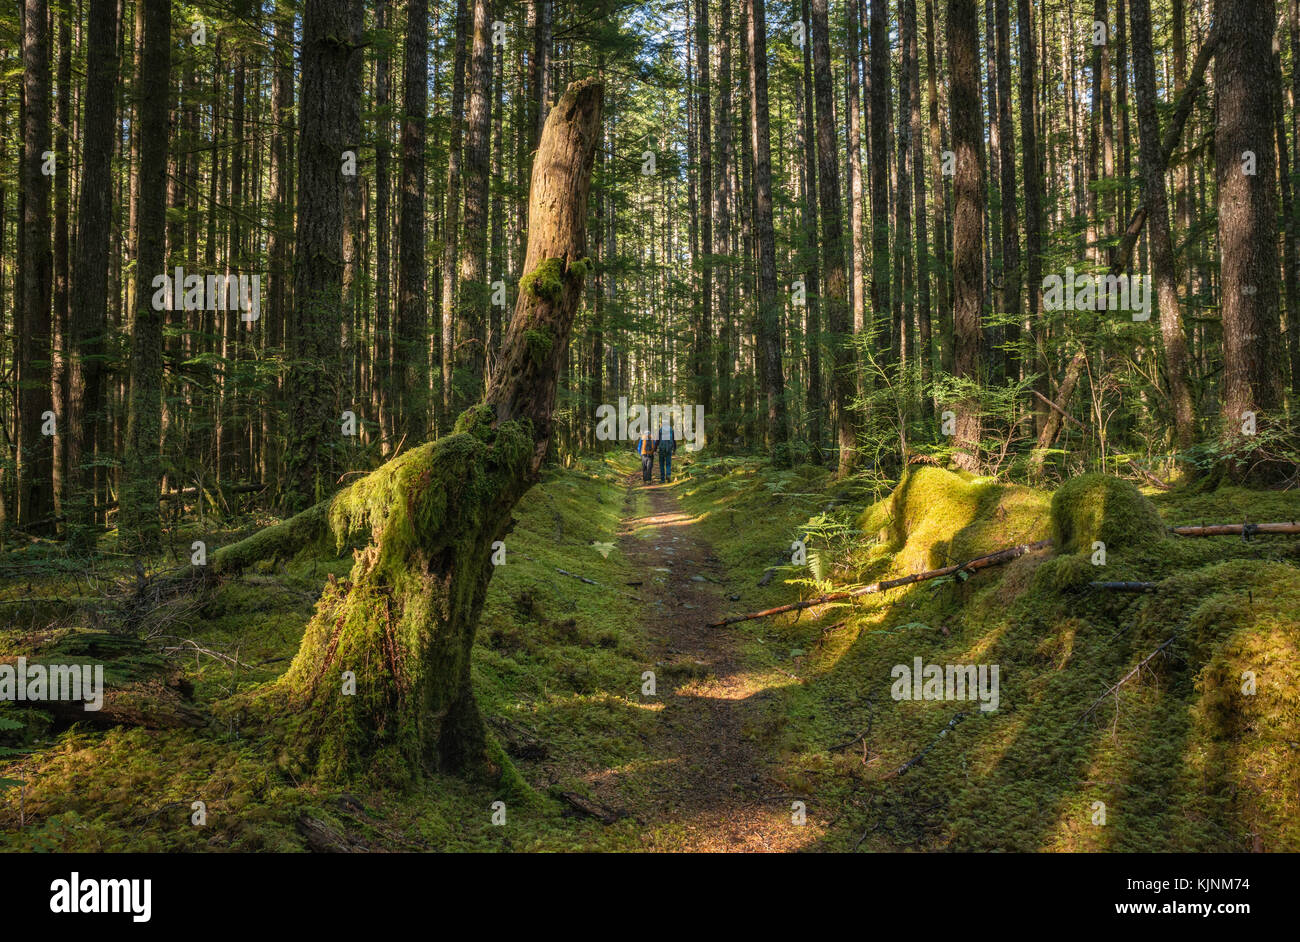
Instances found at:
x=936 y=517
x=381 y=681
x=1098 y=507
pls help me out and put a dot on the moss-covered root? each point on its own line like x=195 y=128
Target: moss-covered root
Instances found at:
x=381 y=683
x=1098 y=507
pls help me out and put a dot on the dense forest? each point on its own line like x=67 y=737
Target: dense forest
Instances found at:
x=283 y=278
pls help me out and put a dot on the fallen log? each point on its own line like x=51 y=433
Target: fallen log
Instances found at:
x=1233 y=529
x=971 y=565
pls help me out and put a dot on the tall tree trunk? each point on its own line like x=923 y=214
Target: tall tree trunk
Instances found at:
x=1007 y=166
x=451 y=218
x=318 y=250
x=139 y=525
x=702 y=368
x=1157 y=210
x=808 y=195
x=35 y=398
x=968 y=221
x=723 y=194
x=383 y=338
x=89 y=318
x=1245 y=172
x=769 y=312
x=835 y=301
x=472 y=290
x=857 y=250
x=411 y=348
x=1032 y=173
x=879 y=121
x=940 y=191
x=912 y=65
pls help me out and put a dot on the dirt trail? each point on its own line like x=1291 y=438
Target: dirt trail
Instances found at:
x=710 y=787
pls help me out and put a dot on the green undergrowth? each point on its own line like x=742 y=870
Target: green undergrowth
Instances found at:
x=1180 y=757
x=556 y=669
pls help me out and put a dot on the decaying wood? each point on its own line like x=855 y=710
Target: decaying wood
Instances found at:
x=971 y=565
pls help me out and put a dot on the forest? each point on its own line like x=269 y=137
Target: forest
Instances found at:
x=601 y=425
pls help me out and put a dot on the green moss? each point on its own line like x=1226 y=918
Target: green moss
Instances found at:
x=936 y=517
x=1098 y=507
x=539 y=341
x=546 y=281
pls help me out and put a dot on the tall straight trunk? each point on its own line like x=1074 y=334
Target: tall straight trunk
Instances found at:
x=59 y=348
x=451 y=217
x=769 y=313
x=1152 y=165
x=903 y=214
x=353 y=223
x=703 y=372
x=879 y=120
x=383 y=338
x=993 y=206
x=410 y=348
x=1031 y=172
x=496 y=212
x=1290 y=279
x=539 y=66
x=723 y=194
x=1007 y=166
x=89 y=316
x=968 y=220
x=280 y=236
x=843 y=381
x=811 y=254
x=857 y=256
x=316 y=323
x=138 y=523
x=1247 y=213
x=940 y=192
x=35 y=269
x=472 y=293
x=912 y=65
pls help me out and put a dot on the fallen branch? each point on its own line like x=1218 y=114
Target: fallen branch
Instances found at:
x=1124 y=586
x=1233 y=529
x=1123 y=680
x=921 y=755
x=992 y=559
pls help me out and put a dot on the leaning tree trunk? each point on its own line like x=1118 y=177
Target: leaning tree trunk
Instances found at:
x=403 y=623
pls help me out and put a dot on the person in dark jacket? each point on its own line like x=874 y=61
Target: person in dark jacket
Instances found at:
x=645 y=447
x=665 y=444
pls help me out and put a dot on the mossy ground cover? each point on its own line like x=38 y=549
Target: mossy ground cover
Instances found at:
x=552 y=669
x=1180 y=757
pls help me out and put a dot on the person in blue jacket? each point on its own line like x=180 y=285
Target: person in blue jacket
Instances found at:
x=665 y=443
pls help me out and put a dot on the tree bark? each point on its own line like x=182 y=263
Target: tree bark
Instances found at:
x=139 y=524
x=968 y=222
x=769 y=319
x=1247 y=202
x=89 y=317
x=405 y=620
x=1157 y=206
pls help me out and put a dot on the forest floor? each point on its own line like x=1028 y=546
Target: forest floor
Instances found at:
x=749 y=727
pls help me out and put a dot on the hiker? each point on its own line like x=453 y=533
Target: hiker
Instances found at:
x=666 y=441
x=645 y=447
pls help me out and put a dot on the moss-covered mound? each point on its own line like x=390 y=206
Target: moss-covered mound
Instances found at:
x=1096 y=507
x=935 y=517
